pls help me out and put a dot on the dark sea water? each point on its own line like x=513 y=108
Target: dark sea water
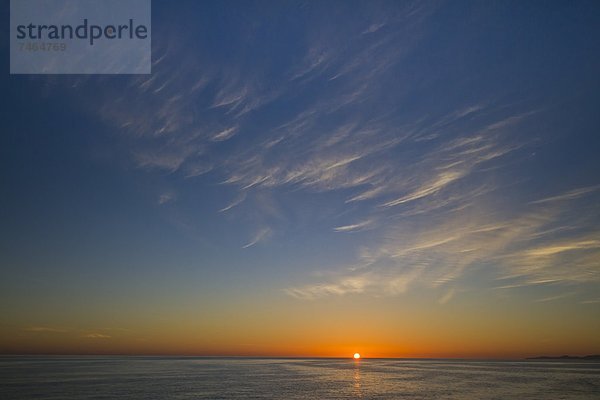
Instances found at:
x=68 y=378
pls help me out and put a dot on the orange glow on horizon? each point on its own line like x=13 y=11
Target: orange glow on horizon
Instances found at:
x=262 y=327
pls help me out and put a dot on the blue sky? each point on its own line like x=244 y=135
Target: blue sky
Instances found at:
x=309 y=150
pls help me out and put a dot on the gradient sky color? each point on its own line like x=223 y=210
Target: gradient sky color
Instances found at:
x=399 y=179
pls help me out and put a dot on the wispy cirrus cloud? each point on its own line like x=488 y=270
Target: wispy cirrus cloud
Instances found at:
x=261 y=235
x=591 y=301
x=447 y=297
x=355 y=227
x=522 y=250
x=96 y=335
x=241 y=197
x=557 y=297
x=100 y=333
x=346 y=285
x=570 y=195
x=353 y=119
x=45 y=329
x=166 y=197
x=439 y=182
x=394 y=168
x=225 y=134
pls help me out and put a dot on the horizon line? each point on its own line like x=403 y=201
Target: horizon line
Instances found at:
x=464 y=358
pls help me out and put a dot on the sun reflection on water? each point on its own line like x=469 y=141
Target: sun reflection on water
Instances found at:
x=357 y=389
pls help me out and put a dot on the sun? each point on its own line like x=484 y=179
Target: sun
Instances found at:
x=356 y=356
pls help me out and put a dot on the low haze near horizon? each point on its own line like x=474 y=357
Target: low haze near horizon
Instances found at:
x=398 y=179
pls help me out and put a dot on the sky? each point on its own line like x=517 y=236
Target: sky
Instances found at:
x=399 y=179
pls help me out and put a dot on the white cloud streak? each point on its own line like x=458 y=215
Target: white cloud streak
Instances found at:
x=260 y=236
x=45 y=329
x=355 y=227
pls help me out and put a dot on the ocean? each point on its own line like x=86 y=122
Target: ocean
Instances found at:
x=67 y=378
